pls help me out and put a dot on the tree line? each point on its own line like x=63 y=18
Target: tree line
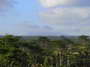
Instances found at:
x=44 y=52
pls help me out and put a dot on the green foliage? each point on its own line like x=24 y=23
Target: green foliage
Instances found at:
x=43 y=52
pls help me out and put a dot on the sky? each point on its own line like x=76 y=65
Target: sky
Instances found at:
x=45 y=17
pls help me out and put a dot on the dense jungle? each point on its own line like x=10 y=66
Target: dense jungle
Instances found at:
x=44 y=52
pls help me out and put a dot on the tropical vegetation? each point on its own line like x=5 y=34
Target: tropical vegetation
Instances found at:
x=44 y=52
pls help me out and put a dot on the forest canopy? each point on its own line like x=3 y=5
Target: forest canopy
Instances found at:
x=44 y=52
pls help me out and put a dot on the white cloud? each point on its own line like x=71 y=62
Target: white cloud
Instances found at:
x=65 y=15
x=52 y=3
x=68 y=20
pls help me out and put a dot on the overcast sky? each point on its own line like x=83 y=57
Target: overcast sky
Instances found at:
x=45 y=17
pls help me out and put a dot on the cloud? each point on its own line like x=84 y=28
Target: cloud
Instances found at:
x=66 y=20
x=5 y=4
x=25 y=29
x=71 y=17
x=35 y=27
x=54 y=3
x=64 y=15
x=51 y=3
